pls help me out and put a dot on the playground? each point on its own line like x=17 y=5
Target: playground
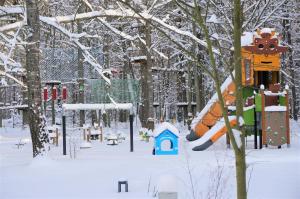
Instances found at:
x=98 y=149
x=149 y=99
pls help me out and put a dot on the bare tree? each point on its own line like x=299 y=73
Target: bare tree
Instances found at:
x=36 y=119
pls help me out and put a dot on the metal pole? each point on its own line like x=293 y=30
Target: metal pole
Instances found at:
x=131 y=132
x=52 y=105
x=255 y=129
x=64 y=135
x=260 y=139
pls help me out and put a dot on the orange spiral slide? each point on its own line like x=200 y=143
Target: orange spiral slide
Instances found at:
x=211 y=115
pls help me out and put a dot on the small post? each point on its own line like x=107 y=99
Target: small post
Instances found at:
x=84 y=135
x=64 y=135
x=227 y=134
x=101 y=134
x=45 y=99
x=255 y=128
x=56 y=138
x=288 y=142
x=131 y=132
x=88 y=135
x=263 y=122
x=53 y=92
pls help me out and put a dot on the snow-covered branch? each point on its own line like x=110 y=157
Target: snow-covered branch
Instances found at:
x=2 y=73
x=9 y=10
x=74 y=38
x=11 y=26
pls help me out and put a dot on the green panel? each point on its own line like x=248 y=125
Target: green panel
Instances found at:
x=249 y=117
x=121 y=90
x=282 y=101
x=247 y=92
x=258 y=102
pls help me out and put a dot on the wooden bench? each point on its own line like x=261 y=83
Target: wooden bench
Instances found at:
x=92 y=133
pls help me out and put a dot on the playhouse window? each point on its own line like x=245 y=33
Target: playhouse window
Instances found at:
x=247 y=63
x=166 y=145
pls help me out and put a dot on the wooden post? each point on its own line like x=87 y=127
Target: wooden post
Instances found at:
x=56 y=136
x=255 y=129
x=64 y=135
x=88 y=136
x=101 y=134
x=263 y=122
x=84 y=134
x=1 y=115
x=287 y=116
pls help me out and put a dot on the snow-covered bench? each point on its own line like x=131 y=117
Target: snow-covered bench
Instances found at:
x=112 y=139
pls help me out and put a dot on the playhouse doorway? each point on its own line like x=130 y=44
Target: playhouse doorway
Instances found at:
x=166 y=145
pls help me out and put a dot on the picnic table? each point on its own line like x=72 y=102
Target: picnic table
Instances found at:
x=112 y=139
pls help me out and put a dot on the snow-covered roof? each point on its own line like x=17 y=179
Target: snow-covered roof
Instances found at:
x=123 y=106
x=165 y=126
x=247 y=39
x=266 y=30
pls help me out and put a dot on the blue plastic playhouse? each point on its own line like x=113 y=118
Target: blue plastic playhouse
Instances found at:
x=165 y=139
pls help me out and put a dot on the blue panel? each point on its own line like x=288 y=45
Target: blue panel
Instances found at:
x=166 y=135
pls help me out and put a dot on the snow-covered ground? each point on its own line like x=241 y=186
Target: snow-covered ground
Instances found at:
x=94 y=173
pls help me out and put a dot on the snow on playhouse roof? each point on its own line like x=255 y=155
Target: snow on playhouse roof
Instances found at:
x=266 y=30
x=165 y=126
x=167 y=183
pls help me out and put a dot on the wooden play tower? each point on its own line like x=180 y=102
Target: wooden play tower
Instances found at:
x=269 y=117
x=266 y=106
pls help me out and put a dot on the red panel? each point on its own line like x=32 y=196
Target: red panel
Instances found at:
x=45 y=94
x=64 y=93
x=54 y=93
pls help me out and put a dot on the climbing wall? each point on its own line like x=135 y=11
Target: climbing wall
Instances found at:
x=276 y=128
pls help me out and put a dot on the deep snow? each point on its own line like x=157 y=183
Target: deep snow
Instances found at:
x=272 y=173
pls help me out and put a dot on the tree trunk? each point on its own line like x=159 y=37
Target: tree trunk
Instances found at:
x=146 y=109
x=291 y=66
x=36 y=120
x=199 y=87
x=2 y=2
x=80 y=71
x=239 y=153
x=189 y=89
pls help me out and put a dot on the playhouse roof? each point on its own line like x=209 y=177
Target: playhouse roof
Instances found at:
x=165 y=126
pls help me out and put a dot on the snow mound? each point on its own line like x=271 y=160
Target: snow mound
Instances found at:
x=85 y=145
x=167 y=183
x=42 y=161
